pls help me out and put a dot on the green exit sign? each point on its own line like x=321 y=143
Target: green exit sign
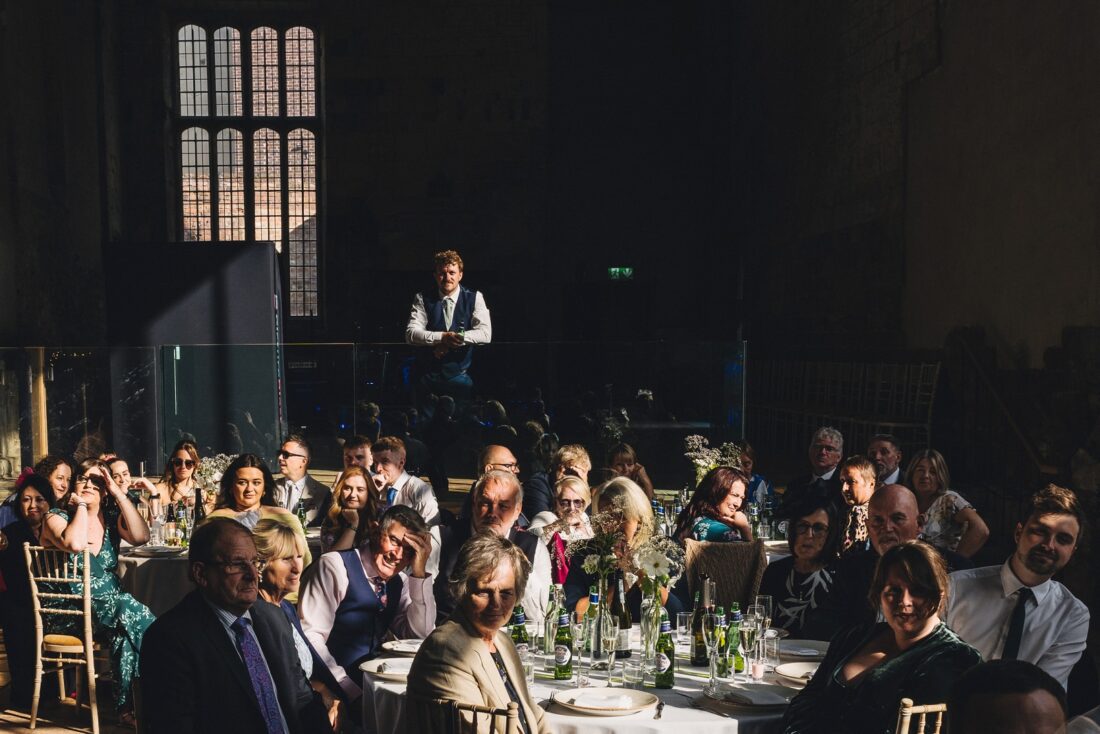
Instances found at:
x=620 y=273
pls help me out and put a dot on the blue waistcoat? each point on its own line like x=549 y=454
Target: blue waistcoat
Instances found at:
x=456 y=361
x=361 y=622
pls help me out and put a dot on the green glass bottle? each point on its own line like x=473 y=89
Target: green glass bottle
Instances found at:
x=664 y=675
x=734 y=636
x=592 y=642
x=722 y=663
x=520 y=637
x=699 y=655
x=563 y=650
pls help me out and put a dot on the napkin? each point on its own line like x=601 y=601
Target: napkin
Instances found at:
x=758 y=694
x=595 y=700
x=805 y=652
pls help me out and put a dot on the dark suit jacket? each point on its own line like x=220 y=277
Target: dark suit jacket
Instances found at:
x=195 y=682
x=809 y=485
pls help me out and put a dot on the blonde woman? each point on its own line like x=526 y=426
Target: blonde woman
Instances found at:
x=572 y=499
x=353 y=513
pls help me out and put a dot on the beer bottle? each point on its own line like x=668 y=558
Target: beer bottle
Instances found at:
x=519 y=630
x=591 y=615
x=563 y=649
x=664 y=675
x=734 y=633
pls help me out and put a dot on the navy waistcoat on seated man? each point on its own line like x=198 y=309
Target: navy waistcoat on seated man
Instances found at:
x=361 y=619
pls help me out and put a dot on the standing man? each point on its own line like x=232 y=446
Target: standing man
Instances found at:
x=1015 y=611
x=296 y=486
x=884 y=451
x=218 y=661
x=449 y=319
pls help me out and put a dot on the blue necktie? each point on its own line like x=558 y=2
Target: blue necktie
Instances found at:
x=258 y=673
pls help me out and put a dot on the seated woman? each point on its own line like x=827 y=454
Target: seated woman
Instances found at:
x=950 y=522
x=622 y=496
x=248 y=496
x=714 y=512
x=800 y=583
x=869 y=669
x=179 y=481
x=283 y=554
x=623 y=462
x=353 y=513
x=572 y=497
x=33 y=498
x=58 y=473
x=538 y=487
x=760 y=489
x=97 y=515
x=470 y=657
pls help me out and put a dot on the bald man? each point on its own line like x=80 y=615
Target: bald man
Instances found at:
x=892 y=518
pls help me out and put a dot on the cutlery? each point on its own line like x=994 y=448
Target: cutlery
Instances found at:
x=660 y=710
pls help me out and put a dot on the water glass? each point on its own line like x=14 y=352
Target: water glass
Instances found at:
x=528 y=659
x=683 y=628
x=633 y=670
x=769 y=652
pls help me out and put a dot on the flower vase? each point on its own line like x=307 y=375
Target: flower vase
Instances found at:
x=650 y=623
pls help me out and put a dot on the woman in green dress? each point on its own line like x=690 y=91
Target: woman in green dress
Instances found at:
x=869 y=669
x=97 y=515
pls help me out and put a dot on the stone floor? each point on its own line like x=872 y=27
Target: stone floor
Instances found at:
x=55 y=717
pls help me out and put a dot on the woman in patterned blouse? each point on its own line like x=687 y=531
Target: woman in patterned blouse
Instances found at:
x=714 y=512
x=950 y=521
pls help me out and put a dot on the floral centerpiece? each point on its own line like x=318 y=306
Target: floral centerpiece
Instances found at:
x=209 y=475
x=597 y=554
x=660 y=562
x=703 y=457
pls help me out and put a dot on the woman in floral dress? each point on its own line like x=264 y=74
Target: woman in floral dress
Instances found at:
x=97 y=515
x=950 y=522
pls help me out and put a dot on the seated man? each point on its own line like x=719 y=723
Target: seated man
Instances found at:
x=296 y=485
x=857 y=485
x=1015 y=610
x=892 y=518
x=1007 y=697
x=826 y=448
x=356 y=597
x=219 y=662
x=885 y=452
x=492 y=457
x=398 y=487
x=497 y=498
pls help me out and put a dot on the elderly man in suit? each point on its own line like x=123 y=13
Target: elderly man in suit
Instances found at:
x=219 y=662
x=826 y=450
x=296 y=485
x=470 y=657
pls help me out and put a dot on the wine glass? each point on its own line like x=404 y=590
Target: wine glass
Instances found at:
x=750 y=628
x=711 y=630
x=765 y=602
x=579 y=629
x=609 y=636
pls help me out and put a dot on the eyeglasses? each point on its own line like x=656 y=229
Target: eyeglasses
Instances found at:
x=178 y=462
x=510 y=467
x=236 y=568
x=287 y=455
x=571 y=503
x=805 y=528
x=818 y=448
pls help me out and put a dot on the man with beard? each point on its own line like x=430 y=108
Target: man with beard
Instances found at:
x=884 y=451
x=1015 y=611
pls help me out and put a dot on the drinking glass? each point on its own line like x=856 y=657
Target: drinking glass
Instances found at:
x=527 y=657
x=683 y=628
x=750 y=628
x=609 y=635
x=712 y=625
x=579 y=629
x=633 y=670
x=765 y=602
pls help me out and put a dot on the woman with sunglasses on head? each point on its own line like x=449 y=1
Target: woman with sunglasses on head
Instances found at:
x=179 y=481
x=97 y=515
x=800 y=583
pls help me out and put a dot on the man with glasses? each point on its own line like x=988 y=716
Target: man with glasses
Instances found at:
x=826 y=450
x=356 y=597
x=296 y=486
x=217 y=661
x=492 y=457
x=497 y=499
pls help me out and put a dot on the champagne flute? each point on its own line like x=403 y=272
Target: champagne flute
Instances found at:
x=711 y=631
x=609 y=636
x=579 y=629
x=749 y=630
x=765 y=602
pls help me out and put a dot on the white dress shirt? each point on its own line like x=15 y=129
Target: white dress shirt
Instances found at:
x=288 y=492
x=827 y=475
x=892 y=479
x=538 y=584
x=1056 y=623
x=325 y=589
x=415 y=493
x=480 y=331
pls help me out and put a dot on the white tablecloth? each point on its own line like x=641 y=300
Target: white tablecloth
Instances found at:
x=384 y=709
x=158 y=583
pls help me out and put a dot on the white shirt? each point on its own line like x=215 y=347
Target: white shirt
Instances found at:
x=827 y=475
x=325 y=589
x=538 y=584
x=480 y=331
x=417 y=494
x=892 y=479
x=1085 y=723
x=1056 y=623
x=288 y=492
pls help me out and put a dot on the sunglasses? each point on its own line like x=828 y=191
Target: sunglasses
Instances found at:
x=571 y=503
x=178 y=462
x=805 y=528
x=287 y=455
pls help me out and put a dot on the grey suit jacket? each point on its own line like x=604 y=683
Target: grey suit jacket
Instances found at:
x=454 y=663
x=317 y=498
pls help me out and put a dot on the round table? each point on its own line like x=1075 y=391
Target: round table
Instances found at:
x=158 y=583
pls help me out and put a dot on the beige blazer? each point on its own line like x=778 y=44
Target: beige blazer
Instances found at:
x=455 y=663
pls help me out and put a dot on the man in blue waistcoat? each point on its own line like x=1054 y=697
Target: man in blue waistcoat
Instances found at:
x=450 y=319
x=355 y=598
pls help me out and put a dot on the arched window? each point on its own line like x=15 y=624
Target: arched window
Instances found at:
x=257 y=89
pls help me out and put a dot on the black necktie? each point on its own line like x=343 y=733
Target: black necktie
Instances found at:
x=1016 y=626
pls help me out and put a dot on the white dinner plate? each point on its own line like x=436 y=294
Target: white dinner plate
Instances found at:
x=796 y=673
x=605 y=701
x=402 y=647
x=391 y=669
x=804 y=650
x=777 y=632
x=155 y=551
